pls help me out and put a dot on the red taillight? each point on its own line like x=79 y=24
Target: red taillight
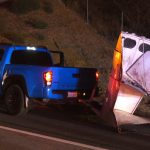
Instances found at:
x=97 y=75
x=48 y=77
x=117 y=60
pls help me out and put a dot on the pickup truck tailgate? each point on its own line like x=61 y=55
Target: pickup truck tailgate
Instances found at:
x=73 y=78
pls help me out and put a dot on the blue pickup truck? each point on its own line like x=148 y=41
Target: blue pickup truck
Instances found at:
x=30 y=73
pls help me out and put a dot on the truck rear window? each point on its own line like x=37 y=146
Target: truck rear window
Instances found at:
x=35 y=58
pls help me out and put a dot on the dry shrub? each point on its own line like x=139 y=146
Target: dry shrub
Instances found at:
x=24 y=6
x=4 y=24
x=16 y=38
x=39 y=36
x=47 y=6
x=37 y=23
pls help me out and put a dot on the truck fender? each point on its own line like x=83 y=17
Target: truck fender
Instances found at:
x=19 y=80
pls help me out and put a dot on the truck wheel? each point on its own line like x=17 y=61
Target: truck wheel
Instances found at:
x=15 y=100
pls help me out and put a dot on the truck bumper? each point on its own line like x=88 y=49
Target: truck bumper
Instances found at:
x=48 y=93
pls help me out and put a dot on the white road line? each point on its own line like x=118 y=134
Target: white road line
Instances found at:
x=52 y=138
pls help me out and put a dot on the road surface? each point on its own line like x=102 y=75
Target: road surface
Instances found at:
x=58 y=128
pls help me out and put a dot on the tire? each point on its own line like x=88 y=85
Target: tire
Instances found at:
x=14 y=99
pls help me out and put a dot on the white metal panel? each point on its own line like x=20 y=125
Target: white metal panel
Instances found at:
x=128 y=99
x=140 y=71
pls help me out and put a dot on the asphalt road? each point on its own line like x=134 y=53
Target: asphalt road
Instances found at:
x=73 y=124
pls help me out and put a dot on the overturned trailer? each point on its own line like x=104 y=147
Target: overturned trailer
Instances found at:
x=128 y=81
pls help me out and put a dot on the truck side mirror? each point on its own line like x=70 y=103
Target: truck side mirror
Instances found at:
x=58 y=58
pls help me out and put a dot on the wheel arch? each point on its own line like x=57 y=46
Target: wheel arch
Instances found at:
x=15 y=79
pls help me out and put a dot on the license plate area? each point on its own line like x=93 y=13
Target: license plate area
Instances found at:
x=72 y=94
